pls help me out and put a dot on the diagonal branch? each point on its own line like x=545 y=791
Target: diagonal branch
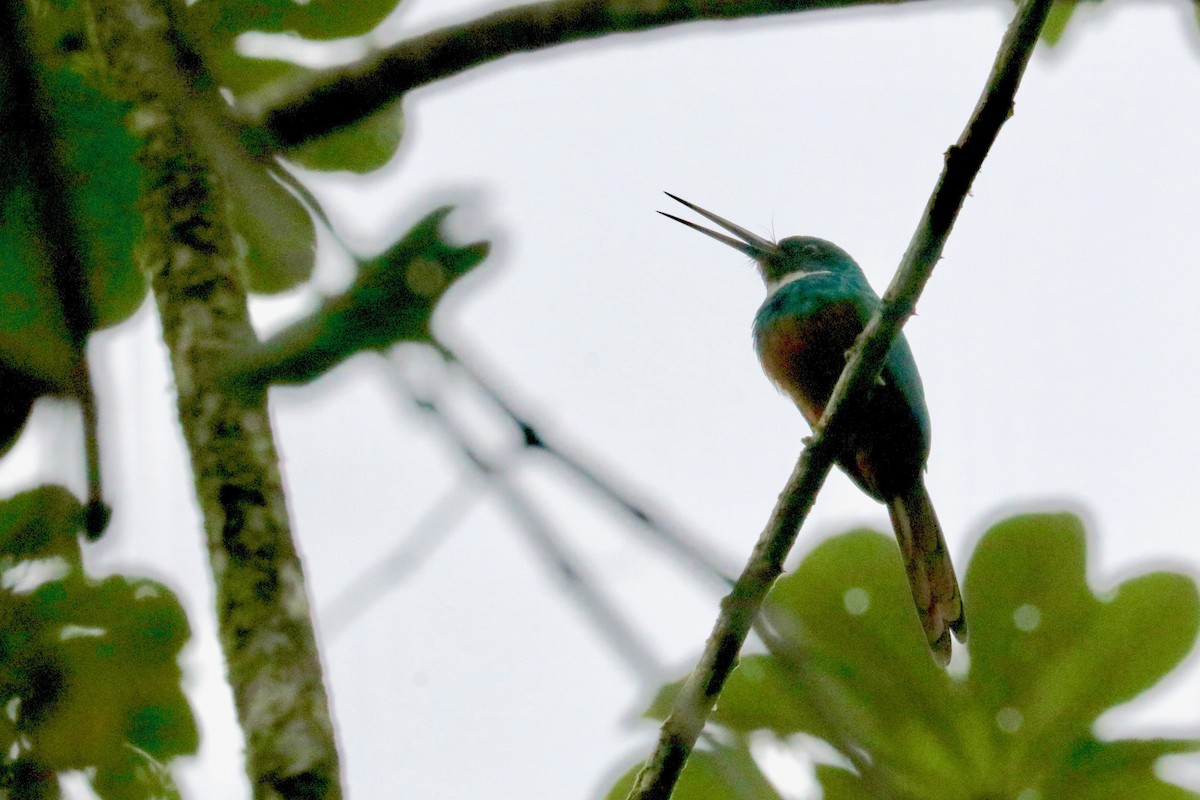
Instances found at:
x=341 y=97
x=695 y=701
x=431 y=530
x=668 y=536
x=547 y=544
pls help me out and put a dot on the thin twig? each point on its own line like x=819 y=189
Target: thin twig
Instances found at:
x=695 y=701
x=335 y=99
x=431 y=530
x=547 y=543
x=532 y=437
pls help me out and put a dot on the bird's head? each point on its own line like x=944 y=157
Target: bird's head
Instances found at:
x=777 y=262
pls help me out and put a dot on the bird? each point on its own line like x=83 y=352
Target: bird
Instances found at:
x=818 y=302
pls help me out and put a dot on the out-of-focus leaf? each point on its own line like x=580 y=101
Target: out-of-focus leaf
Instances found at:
x=44 y=315
x=40 y=524
x=222 y=20
x=140 y=777
x=840 y=784
x=88 y=669
x=34 y=340
x=1046 y=647
x=704 y=778
x=273 y=226
x=215 y=26
x=99 y=161
x=391 y=301
x=1056 y=21
x=360 y=148
x=1047 y=658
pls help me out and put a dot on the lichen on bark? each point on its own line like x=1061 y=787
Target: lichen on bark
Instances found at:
x=190 y=254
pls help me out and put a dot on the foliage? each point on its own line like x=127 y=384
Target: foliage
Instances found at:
x=89 y=676
x=392 y=300
x=97 y=158
x=1047 y=657
x=215 y=26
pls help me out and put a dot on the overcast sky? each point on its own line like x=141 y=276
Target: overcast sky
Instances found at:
x=1056 y=341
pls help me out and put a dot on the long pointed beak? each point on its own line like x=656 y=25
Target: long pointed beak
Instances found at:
x=754 y=246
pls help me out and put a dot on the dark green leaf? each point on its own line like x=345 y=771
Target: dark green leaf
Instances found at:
x=139 y=777
x=42 y=523
x=360 y=148
x=33 y=333
x=391 y=301
x=99 y=161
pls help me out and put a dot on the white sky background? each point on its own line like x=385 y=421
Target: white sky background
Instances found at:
x=1056 y=341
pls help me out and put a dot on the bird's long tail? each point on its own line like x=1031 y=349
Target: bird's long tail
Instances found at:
x=930 y=573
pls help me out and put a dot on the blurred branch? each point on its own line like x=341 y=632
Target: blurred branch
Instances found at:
x=547 y=543
x=27 y=107
x=431 y=530
x=532 y=438
x=189 y=252
x=337 y=98
x=695 y=701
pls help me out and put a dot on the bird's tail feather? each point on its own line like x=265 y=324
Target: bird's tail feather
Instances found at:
x=930 y=573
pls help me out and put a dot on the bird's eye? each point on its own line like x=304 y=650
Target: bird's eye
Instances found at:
x=812 y=250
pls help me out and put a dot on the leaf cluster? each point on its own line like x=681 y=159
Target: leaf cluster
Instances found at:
x=1047 y=657
x=89 y=678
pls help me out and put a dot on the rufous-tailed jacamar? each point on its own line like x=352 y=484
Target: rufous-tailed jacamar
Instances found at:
x=818 y=301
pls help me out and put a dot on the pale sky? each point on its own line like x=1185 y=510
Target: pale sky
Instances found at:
x=1055 y=339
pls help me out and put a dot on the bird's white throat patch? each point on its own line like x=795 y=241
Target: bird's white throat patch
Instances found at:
x=775 y=286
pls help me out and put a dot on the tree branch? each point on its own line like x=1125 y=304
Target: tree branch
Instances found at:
x=189 y=252
x=661 y=533
x=338 y=98
x=548 y=544
x=695 y=701
x=431 y=530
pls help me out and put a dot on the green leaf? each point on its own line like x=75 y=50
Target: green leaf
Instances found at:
x=88 y=669
x=223 y=20
x=707 y=776
x=840 y=784
x=34 y=341
x=139 y=777
x=1044 y=644
x=273 y=227
x=99 y=161
x=360 y=148
x=1056 y=20
x=392 y=300
x=40 y=524
x=1047 y=658
x=215 y=24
